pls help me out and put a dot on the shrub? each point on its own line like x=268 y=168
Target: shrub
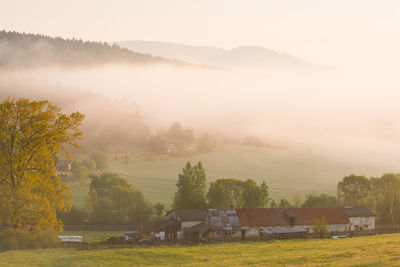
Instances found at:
x=320 y=225
x=21 y=239
x=81 y=170
x=101 y=160
x=75 y=216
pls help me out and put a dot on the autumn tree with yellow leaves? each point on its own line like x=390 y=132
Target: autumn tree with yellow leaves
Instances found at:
x=32 y=134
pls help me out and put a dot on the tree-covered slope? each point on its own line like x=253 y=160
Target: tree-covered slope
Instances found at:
x=22 y=50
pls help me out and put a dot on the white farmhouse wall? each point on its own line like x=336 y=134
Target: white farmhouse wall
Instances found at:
x=366 y=223
x=255 y=230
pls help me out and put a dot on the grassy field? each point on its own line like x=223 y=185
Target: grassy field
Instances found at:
x=287 y=172
x=380 y=250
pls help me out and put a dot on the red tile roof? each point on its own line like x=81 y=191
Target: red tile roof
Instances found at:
x=262 y=217
x=333 y=215
x=280 y=216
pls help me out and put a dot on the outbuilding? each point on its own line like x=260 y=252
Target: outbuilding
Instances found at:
x=361 y=218
x=186 y=218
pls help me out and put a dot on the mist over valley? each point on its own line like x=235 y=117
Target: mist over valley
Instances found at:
x=317 y=126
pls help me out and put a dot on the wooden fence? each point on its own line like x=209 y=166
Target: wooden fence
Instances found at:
x=87 y=227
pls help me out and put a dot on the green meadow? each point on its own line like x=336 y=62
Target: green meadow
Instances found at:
x=287 y=172
x=380 y=250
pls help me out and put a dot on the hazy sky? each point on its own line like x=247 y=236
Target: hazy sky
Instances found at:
x=357 y=36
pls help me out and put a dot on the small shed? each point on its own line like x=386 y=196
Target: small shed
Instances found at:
x=197 y=232
x=187 y=218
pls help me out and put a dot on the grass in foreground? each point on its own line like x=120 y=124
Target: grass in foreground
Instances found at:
x=382 y=250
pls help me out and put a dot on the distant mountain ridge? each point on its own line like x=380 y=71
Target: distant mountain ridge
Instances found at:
x=173 y=51
x=239 y=57
x=22 y=50
x=256 y=56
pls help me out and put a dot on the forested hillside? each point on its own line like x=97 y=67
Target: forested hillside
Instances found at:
x=23 y=50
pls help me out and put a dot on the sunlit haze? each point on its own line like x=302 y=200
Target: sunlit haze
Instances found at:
x=359 y=37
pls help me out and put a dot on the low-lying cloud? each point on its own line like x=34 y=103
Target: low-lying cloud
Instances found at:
x=322 y=113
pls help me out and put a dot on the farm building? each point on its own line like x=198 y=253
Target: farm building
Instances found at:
x=261 y=219
x=361 y=218
x=185 y=218
x=217 y=224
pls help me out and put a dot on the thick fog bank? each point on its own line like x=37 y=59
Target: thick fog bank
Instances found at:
x=318 y=113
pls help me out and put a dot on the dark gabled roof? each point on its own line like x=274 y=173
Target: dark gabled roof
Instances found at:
x=359 y=212
x=199 y=228
x=190 y=215
x=281 y=216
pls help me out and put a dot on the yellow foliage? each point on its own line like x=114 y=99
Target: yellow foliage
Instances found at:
x=32 y=134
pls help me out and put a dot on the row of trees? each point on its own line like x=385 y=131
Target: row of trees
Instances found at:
x=192 y=194
x=112 y=201
x=311 y=201
x=81 y=170
x=380 y=194
x=183 y=140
